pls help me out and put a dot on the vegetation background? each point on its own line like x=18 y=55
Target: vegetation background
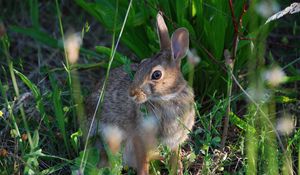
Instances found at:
x=244 y=71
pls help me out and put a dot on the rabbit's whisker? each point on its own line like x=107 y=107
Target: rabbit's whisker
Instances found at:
x=154 y=108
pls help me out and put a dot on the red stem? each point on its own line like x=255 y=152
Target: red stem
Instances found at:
x=236 y=25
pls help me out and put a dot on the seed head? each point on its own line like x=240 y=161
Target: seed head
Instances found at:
x=113 y=136
x=274 y=76
x=192 y=57
x=72 y=45
x=285 y=124
x=149 y=131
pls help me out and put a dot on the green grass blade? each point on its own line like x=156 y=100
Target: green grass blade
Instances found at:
x=58 y=111
x=237 y=121
x=48 y=40
x=38 y=99
x=107 y=51
x=54 y=168
x=34 y=13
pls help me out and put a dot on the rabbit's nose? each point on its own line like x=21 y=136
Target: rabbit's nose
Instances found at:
x=133 y=92
x=137 y=95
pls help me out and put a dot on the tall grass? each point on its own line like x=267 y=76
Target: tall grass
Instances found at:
x=237 y=105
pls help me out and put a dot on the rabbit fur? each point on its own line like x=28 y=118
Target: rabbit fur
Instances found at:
x=169 y=100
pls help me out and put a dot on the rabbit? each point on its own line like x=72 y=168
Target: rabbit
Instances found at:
x=160 y=87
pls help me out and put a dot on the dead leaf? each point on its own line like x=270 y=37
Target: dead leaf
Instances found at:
x=293 y=8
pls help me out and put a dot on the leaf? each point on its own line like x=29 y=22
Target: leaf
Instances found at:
x=38 y=99
x=180 y=9
x=35 y=154
x=34 y=12
x=54 y=168
x=48 y=40
x=90 y=163
x=36 y=139
x=107 y=51
x=293 y=8
x=152 y=35
x=75 y=139
x=285 y=99
x=35 y=91
x=128 y=70
x=216 y=140
x=292 y=79
x=241 y=123
x=58 y=109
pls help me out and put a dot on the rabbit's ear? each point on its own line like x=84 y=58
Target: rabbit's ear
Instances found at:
x=163 y=33
x=180 y=43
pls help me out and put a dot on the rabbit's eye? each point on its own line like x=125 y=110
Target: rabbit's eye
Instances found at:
x=156 y=75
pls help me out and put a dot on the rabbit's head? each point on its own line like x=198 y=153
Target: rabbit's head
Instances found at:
x=159 y=77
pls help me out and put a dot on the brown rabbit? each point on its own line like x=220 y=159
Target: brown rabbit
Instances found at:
x=160 y=87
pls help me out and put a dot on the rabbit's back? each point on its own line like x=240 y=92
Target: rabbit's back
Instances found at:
x=117 y=109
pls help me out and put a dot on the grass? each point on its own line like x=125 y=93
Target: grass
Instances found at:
x=238 y=104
